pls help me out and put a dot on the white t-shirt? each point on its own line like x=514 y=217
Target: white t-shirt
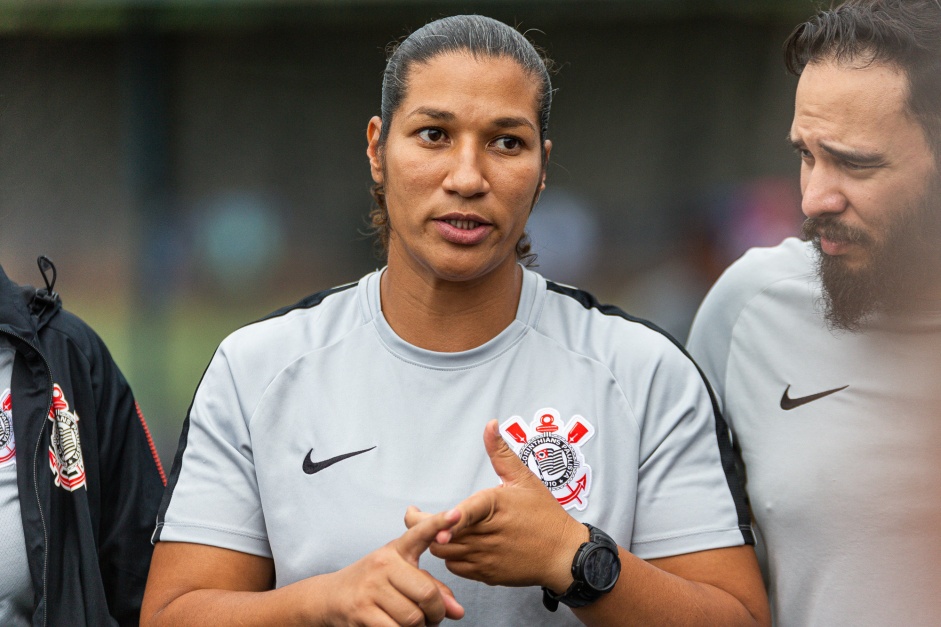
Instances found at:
x=16 y=590
x=841 y=438
x=637 y=453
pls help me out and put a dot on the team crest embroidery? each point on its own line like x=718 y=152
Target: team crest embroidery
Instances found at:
x=65 y=450
x=553 y=452
x=7 y=443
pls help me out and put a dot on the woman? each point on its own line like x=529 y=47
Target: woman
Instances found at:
x=315 y=430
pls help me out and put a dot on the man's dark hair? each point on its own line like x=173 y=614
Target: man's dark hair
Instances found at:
x=903 y=33
x=473 y=34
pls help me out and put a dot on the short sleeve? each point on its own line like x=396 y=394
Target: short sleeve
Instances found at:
x=212 y=494
x=689 y=497
x=711 y=334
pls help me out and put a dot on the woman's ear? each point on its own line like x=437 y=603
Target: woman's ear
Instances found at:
x=545 y=164
x=373 y=131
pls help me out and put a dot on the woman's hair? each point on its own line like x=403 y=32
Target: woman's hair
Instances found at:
x=478 y=36
x=902 y=33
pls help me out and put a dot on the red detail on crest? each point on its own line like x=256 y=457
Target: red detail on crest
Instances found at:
x=573 y=493
x=577 y=432
x=8 y=450
x=547 y=424
x=58 y=401
x=67 y=473
x=69 y=483
x=516 y=430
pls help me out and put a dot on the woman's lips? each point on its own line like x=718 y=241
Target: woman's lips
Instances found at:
x=462 y=230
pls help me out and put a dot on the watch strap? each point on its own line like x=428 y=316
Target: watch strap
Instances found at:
x=580 y=594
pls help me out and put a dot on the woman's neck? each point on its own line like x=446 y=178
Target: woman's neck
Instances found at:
x=449 y=316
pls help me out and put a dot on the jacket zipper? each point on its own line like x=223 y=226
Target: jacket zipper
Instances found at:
x=42 y=430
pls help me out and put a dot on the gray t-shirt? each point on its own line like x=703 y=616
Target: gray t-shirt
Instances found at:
x=841 y=437
x=636 y=437
x=16 y=590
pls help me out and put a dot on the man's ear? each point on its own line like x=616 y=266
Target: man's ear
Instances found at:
x=373 y=131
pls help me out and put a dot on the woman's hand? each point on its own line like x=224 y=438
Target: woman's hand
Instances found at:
x=194 y=584
x=518 y=535
x=386 y=587
x=515 y=534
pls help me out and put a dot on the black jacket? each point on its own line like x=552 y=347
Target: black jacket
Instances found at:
x=88 y=547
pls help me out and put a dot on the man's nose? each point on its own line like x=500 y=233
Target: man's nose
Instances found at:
x=822 y=191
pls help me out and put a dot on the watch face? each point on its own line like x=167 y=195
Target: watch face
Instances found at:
x=602 y=568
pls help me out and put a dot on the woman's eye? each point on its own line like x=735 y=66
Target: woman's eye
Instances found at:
x=432 y=135
x=508 y=143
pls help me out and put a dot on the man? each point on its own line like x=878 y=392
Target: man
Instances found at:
x=80 y=481
x=826 y=355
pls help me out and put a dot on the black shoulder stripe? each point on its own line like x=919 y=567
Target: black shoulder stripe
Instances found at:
x=726 y=452
x=306 y=303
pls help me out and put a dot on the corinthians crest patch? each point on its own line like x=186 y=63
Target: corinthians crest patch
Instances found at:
x=7 y=444
x=552 y=450
x=65 y=450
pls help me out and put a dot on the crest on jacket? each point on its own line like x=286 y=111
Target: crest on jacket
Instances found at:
x=7 y=444
x=553 y=452
x=65 y=450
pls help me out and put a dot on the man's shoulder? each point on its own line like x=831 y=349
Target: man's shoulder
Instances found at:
x=789 y=265
x=770 y=278
x=760 y=268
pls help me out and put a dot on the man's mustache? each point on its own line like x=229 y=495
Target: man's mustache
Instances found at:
x=833 y=229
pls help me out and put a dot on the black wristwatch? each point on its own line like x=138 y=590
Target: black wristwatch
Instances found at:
x=596 y=568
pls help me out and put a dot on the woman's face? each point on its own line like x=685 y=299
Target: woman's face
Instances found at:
x=462 y=166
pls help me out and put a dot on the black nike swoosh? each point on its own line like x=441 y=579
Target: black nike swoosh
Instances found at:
x=310 y=466
x=790 y=403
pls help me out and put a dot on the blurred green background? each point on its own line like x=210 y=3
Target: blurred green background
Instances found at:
x=192 y=165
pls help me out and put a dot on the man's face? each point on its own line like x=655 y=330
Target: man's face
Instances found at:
x=870 y=189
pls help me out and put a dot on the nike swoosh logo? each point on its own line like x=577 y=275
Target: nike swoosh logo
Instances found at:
x=788 y=403
x=310 y=466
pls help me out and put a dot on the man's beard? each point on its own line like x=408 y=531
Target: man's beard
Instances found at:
x=901 y=266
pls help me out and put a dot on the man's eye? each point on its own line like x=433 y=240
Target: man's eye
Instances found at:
x=849 y=165
x=433 y=135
